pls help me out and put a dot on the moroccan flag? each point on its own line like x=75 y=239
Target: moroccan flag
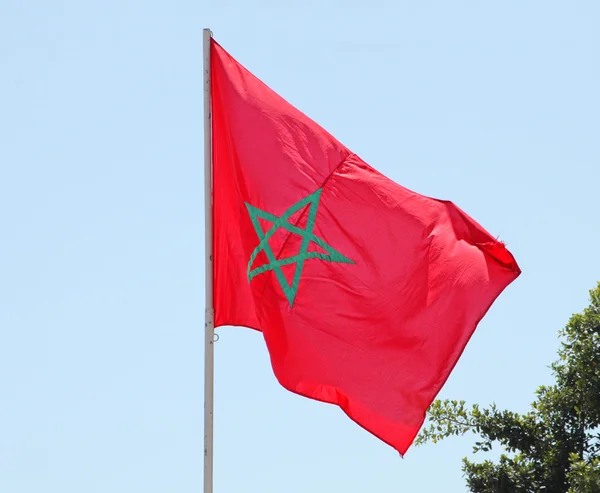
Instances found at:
x=366 y=293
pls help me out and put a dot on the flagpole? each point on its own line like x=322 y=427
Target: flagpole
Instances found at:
x=209 y=314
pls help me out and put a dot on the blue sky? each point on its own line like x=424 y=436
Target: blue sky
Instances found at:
x=494 y=105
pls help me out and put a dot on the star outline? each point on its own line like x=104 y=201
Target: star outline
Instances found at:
x=307 y=235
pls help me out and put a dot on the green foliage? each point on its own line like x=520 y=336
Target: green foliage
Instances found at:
x=584 y=476
x=555 y=447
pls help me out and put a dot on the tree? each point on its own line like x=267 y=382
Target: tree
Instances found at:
x=553 y=448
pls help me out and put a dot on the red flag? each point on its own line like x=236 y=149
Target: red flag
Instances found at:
x=366 y=293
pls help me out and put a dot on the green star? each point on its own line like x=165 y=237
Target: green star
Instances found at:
x=307 y=237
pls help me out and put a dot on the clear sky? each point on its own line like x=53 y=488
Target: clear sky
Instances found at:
x=494 y=105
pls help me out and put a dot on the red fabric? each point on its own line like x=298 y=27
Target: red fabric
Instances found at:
x=378 y=337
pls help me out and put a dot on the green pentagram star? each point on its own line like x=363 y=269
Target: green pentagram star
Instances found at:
x=307 y=235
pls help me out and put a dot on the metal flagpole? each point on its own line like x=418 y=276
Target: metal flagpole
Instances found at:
x=209 y=320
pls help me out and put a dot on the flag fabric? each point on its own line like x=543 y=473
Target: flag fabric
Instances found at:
x=366 y=293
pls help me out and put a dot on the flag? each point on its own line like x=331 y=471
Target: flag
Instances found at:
x=366 y=293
